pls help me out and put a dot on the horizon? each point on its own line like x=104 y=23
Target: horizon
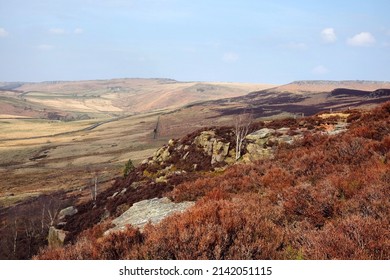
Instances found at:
x=231 y=41
x=194 y=81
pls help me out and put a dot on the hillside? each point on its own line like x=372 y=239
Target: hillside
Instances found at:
x=58 y=135
x=307 y=188
x=302 y=98
x=112 y=97
x=52 y=157
x=328 y=86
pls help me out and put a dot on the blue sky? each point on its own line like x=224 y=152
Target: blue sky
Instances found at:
x=236 y=41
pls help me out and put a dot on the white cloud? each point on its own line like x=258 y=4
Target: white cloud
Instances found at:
x=230 y=57
x=78 y=31
x=3 y=32
x=320 y=70
x=363 y=39
x=328 y=35
x=45 y=47
x=57 y=31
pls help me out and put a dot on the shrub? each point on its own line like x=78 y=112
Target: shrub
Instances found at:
x=129 y=167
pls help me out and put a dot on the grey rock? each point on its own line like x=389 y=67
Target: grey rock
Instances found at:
x=220 y=151
x=165 y=155
x=161 y=154
x=260 y=134
x=152 y=210
x=206 y=140
x=338 y=128
x=56 y=237
x=256 y=152
x=69 y=211
x=283 y=130
x=286 y=139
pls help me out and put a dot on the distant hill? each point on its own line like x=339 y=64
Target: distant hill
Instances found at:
x=327 y=86
x=301 y=98
x=118 y=96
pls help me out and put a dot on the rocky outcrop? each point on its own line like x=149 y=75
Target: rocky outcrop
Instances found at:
x=257 y=145
x=162 y=154
x=151 y=210
x=206 y=141
x=217 y=149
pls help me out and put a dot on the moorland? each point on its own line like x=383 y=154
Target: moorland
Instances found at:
x=59 y=140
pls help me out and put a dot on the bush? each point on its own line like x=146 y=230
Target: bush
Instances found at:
x=129 y=167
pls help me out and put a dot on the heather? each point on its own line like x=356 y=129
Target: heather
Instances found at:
x=321 y=197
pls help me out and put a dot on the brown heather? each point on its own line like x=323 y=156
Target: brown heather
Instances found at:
x=324 y=197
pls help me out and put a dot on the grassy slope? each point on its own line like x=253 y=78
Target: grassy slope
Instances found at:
x=52 y=155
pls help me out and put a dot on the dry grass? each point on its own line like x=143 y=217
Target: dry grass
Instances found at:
x=330 y=115
x=69 y=162
x=16 y=129
x=130 y=95
x=5 y=116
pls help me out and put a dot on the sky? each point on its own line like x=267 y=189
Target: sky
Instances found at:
x=259 y=41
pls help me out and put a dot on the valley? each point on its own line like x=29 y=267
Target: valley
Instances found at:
x=59 y=139
x=57 y=135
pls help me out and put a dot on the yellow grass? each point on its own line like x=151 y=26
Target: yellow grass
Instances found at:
x=78 y=105
x=5 y=116
x=329 y=115
x=33 y=128
x=131 y=95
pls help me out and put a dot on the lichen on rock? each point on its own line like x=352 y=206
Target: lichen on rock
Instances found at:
x=151 y=210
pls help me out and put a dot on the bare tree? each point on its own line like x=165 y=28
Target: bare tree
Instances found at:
x=43 y=218
x=156 y=129
x=15 y=238
x=30 y=233
x=242 y=124
x=94 y=187
x=52 y=211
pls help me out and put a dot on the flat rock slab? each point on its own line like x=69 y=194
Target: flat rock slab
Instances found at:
x=151 y=210
x=69 y=211
x=260 y=134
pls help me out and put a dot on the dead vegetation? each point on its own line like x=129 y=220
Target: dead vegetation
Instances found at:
x=323 y=197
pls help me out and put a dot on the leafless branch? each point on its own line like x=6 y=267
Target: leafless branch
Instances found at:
x=242 y=124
